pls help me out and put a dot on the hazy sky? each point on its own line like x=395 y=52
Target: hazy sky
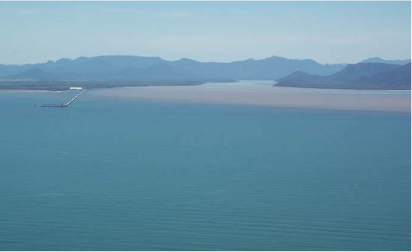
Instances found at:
x=328 y=32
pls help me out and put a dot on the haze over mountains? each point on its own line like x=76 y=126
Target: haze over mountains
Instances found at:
x=155 y=68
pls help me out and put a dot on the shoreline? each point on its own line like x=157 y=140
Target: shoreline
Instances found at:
x=64 y=85
x=30 y=90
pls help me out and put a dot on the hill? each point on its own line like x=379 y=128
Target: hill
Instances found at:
x=380 y=60
x=355 y=76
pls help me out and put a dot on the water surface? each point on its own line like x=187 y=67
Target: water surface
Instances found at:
x=263 y=93
x=112 y=173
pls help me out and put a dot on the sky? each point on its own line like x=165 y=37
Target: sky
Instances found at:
x=328 y=32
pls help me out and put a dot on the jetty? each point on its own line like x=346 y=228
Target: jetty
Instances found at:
x=63 y=105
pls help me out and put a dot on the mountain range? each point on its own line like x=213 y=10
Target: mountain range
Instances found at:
x=132 y=68
x=355 y=76
x=112 y=71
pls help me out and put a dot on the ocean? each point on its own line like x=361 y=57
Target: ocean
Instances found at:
x=117 y=173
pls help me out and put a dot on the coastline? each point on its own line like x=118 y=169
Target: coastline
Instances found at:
x=97 y=84
x=31 y=90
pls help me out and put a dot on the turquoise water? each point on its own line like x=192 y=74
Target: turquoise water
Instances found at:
x=121 y=174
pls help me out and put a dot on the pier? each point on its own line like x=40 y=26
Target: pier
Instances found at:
x=63 y=105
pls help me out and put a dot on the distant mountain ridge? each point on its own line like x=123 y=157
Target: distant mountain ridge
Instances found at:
x=380 y=60
x=155 y=68
x=355 y=76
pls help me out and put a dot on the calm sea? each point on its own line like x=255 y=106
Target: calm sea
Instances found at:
x=122 y=174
